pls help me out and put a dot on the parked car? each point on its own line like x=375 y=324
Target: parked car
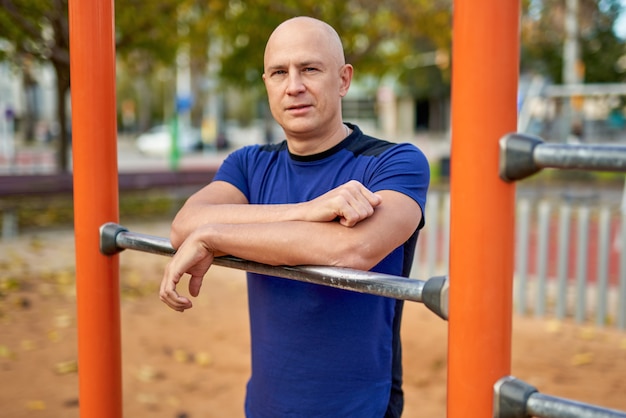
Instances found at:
x=158 y=140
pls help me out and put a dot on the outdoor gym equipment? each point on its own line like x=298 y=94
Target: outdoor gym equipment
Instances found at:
x=485 y=57
x=523 y=155
x=513 y=398
x=433 y=292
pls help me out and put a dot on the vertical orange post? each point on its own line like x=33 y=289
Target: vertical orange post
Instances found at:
x=485 y=57
x=94 y=146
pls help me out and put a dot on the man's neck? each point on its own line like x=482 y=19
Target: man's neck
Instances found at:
x=302 y=144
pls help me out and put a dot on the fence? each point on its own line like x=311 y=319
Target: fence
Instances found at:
x=569 y=258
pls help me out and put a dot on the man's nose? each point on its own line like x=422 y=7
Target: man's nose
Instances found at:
x=295 y=83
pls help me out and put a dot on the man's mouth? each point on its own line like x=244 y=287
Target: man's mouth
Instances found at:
x=298 y=110
x=297 y=107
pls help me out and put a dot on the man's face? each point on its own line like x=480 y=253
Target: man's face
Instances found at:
x=305 y=80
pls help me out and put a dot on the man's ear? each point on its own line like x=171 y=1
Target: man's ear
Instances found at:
x=345 y=74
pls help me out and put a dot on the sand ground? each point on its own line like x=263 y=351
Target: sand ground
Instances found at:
x=195 y=365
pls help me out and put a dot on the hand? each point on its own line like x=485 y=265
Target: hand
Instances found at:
x=193 y=257
x=351 y=203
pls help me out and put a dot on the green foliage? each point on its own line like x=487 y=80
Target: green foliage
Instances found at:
x=33 y=26
x=146 y=32
x=406 y=40
x=543 y=36
x=379 y=38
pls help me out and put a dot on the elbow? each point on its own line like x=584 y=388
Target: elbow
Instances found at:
x=359 y=257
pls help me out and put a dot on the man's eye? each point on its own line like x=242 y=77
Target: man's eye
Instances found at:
x=310 y=69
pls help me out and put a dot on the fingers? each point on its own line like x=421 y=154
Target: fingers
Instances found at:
x=195 y=282
x=351 y=203
x=359 y=204
x=167 y=291
x=192 y=258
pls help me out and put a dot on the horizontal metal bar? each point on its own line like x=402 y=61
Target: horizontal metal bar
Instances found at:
x=545 y=406
x=596 y=157
x=584 y=89
x=523 y=155
x=433 y=293
x=514 y=398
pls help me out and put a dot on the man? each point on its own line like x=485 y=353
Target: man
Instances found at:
x=327 y=195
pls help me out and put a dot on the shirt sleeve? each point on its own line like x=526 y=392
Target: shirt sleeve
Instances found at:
x=233 y=171
x=405 y=169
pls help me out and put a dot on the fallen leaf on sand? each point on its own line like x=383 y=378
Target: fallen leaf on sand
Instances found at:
x=36 y=405
x=66 y=367
x=581 y=359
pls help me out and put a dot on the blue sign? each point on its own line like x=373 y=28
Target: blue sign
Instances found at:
x=183 y=103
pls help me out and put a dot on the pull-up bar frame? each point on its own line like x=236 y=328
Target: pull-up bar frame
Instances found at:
x=433 y=293
x=522 y=155
x=514 y=398
x=484 y=97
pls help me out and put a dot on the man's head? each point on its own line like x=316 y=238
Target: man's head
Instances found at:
x=306 y=76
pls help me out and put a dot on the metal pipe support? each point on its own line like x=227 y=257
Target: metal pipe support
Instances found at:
x=433 y=292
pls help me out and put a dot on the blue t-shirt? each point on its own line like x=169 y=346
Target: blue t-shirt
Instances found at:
x=319 y=351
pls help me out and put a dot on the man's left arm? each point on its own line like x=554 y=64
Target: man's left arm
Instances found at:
x=361 y=246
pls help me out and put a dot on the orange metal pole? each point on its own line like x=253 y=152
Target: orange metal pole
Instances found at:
x=94 y=147
x=485 y=57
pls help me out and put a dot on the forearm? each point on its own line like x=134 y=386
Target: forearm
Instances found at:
x=360 y=243
x=292 y=243
x=194 y=215
x=221 y=203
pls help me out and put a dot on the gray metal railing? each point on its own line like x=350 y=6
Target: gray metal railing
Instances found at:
x=514 y=398
x=523 y=155
x=570 y=258
x=433 y=293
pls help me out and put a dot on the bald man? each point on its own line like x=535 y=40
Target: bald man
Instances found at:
x=327 y=195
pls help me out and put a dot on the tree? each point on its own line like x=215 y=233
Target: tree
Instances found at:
x=543 y=35
x=379 y=38
x=38 y=29
x=146 y=32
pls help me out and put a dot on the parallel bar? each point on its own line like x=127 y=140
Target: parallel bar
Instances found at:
x=514 y=398
x=523 y=155
x=433 y=293
x=586 y=89
x=545 y=406
x=599 y=157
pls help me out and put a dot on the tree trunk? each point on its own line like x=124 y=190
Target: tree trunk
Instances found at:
x=63 y=85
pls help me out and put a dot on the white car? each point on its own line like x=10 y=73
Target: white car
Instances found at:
x=158 y=140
